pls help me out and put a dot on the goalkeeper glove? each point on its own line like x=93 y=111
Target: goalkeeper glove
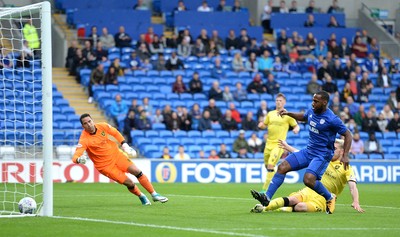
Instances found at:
x=82 y=160
x=129 y=149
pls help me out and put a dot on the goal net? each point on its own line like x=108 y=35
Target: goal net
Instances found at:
x=26 y=150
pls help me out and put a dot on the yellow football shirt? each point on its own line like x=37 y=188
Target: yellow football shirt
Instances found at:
x=278 y=126
x=336 y=177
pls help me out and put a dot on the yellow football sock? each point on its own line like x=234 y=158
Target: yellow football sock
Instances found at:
x=270 y=175
x=275 y=204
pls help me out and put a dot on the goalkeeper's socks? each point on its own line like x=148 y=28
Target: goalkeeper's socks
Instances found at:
x=135 y=191
x=144 y=181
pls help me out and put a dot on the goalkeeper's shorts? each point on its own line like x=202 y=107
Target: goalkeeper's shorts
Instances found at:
x=117 y=172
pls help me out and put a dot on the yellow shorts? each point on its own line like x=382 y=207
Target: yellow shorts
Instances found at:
x=314 y=201
x=272 y=154
x=117 y=172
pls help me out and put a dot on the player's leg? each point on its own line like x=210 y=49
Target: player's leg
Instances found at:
x=311 y=202
x=144 y=181
x=271 y=157
x=312 y=179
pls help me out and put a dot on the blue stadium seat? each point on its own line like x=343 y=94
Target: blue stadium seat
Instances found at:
x=391 y=157
x=390 y=135
x=158 y=126
x=375 y=156
x=259 y=155
x=151 y=148
x=208 y=148
x=208 y=134
x=180 y=134
x=194 y=134
x=216 y=127
x=361 y=157
x=173 y=141
x=222 y=134
x=201 y=141
x=166 y=134
x=394 y=150
x=194 y=149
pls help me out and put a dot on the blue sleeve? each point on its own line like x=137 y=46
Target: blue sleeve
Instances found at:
x=306 y=114
x=338 y=125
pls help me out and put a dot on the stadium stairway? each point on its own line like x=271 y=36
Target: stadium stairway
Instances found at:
x=75 y=94
x=60 y=20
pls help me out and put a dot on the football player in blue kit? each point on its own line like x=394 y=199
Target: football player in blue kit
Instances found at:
x=323 y=125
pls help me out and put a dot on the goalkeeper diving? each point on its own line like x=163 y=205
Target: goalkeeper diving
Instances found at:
x=307 y=200
x=109 y=160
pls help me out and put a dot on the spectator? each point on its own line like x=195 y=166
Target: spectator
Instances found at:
x=366 y=83
x=373 y=48
x=204 y=38
x=213 y=155
x=186 y=120
x=100 y=53
x=223 y=153
x=71 y=54
x=337 y=71
x=310 y=22
x=240 y=142
x=199 y=49
x=129 y=125
x=181 y=155
x=195 y=85
x=384 y=80
x=292 y=66
x=387 y=112
x=215 y=112
x=334 y=8
x=174 y=63
x=134 y=106
x=228 y=123
x=359 y=115
x=256 y=86
x=134 y=61
x=181 y=7
x=201 y=155
x=284 y=54
x=236 y=6
x=146 y=65
x=119 y=70
x=242 y=154
x=277 y=66
x=243 y=40
x=394 y=123
x=334 y=49
x=30 y=34
x=165 y=154
x=282 y=39
x=369 y=123
x=263 y=110
x=205 y=121
x=352 y=106
x=118 y=109
x=372 y=145
x=344 y=48
x=265 y=63
x=253 y=47
x=122 y=39
x=111 y=78
x=174 y=124
x=140 y=6
x=204 y=7
x=171 y=42
x=230 y=41
x=97 y=77
x=321 y=49
x=185 y=34
x=89 y=55
x=393 y=67
x=265 y=45
x=252 y=63
x=159 y=65
x=239 y=94
x=330 y=86
x=195 y=113
x=157 y=117
x=218 y=72
x=215 y=91
x=359 y=48
x=382 y=122
x=357 y=146
x=167 y=113
x=178 y=86
x=333 y=22
x=93 y=36
x=147 y=106
x=392 y=101
x=352 y=126
x=156 y=46
x=235 y=114
x=249 y=123
x=323 y=70
x=143 y=53
x=237 y=63
x=227 y=95
x=365 y=38
x=254 y=143
x=293 y=7
x=149 y=36
x=371 y=64
x=222 y=7
x=266 y=17
x=303 y=50
x=107 y=39
x=184 y=49
x=282 y=7
x=313 y=86
x=271 y=85
x=311 y=7
x=217 y=40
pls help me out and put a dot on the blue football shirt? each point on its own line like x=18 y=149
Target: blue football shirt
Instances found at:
x=322 y=131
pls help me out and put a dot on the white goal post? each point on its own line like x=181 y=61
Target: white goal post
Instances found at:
x=26 y=109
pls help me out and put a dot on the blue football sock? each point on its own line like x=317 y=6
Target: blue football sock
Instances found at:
x=320 y=188
x=276 y=182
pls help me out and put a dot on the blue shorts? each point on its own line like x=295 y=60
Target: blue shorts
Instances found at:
x=316 y=165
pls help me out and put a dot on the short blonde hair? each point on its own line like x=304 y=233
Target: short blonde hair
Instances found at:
x=340 y=142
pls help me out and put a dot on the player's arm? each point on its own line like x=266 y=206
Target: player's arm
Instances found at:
x=346 y=148
x=297 y=116
x=79 y=157
x=118 y=136
x=354 y=196
x=283 y=144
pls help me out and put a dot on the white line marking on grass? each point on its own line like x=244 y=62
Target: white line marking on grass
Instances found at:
x=312 y=228
x=159 y=226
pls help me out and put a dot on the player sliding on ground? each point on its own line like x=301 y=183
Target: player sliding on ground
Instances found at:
x=109 y=160
x=323 y=126
x=307 y=200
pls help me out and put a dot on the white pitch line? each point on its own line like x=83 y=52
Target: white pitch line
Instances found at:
x=226 y=198
x=322 y=228
x=159 y=226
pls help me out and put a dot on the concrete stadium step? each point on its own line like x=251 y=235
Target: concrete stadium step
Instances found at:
x=75 y=94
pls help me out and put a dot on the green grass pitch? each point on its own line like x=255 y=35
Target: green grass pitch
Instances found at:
x=203 y=210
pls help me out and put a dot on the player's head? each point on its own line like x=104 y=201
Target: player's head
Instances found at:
x=87 y=123
x=320 y=101
x=338 y=149
x=280 y=101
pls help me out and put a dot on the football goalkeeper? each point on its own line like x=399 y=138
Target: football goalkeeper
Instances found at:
x=109 y=160
x=307 y=200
